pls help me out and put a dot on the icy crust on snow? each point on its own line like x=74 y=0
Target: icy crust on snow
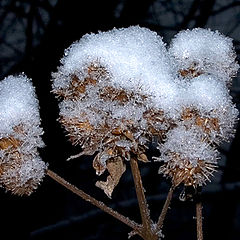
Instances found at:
x=188 y=145
x=18 y=104
x=135 y=59
x=206 y=51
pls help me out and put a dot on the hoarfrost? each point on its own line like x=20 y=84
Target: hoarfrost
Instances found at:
x=188 y=145
x=205 y=51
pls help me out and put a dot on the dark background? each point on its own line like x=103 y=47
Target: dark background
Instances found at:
x=33 y=36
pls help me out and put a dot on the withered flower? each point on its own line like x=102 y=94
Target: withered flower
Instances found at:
x=109 y=99
x=21 y=168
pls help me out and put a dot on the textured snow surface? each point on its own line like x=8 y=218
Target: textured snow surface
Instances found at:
x=187 y=143
x=18 y=103
x=205 y=50
x=135 y=58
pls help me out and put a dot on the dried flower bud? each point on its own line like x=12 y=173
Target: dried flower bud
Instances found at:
x=187 y=158
x=21 y=169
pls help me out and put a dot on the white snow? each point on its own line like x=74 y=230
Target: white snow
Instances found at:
x=18 y=103
x=209 y=51
x=135 y=58
x=187 y=143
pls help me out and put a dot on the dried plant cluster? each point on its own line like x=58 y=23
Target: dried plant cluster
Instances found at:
x=185 y=104
x=96 y=115
x=119 y=91
x=21 y=168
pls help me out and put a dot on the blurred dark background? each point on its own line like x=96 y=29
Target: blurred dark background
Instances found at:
x=33 y=36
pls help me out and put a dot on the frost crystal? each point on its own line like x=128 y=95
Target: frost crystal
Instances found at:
x=21 y=169
x=200 y=51
x=206 y=102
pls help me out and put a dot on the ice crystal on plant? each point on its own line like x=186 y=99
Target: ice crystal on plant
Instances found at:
x=21 y=169
x=206 y=102
x=202 y=51
x=187 y=157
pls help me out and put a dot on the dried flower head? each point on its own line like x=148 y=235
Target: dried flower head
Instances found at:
x=187 y=157
x=110 y=103
x=21 y=168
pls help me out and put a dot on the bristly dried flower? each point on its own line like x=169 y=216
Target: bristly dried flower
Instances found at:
x=121 y=88
x=187 y=157
x=206 y=63
x=108 y=84
x=21 y=168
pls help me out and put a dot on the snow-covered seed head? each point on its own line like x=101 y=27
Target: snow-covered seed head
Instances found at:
x=108 y=83
x=202 y=51
x=187 y=158
x=21 y=168
x=206 y=103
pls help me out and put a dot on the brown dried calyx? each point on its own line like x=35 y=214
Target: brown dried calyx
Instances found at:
x=206 y=124
x=77 y=86
x=11 y=165
x=182 y=171
x=113 y=155
x=191 y=72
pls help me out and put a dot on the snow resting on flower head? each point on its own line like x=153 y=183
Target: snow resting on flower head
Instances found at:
x=206 y=103
x=200 y=51
x=134 y=59
x=21 y=168
x=187 y=157
x=115 y=88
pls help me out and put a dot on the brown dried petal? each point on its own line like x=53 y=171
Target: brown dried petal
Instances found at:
x=116 y=168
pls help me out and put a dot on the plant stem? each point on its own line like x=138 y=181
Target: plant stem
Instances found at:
x=144 y=211
x=136 y=227
x=199 y=220
x=165 y=209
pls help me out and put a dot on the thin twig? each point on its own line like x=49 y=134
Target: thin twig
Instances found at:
x=137 y=228
x=199 y=220
x=165 y=209
x=144 y=211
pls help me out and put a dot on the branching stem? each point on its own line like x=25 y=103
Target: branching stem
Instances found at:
x=144 y=211
x=165 y=209
x=136 y=227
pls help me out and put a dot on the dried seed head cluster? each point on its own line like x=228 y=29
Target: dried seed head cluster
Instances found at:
x=21 y=168
x=119 y=89
x=206 y=63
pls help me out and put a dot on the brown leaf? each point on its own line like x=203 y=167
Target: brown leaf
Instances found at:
x=116 y=168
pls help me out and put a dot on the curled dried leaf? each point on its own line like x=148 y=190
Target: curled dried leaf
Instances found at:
x=116 y=168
